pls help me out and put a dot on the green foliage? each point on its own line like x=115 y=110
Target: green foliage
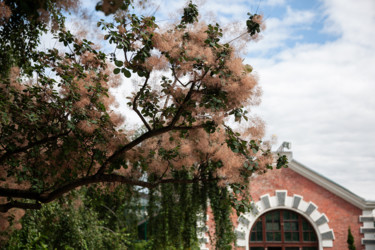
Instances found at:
x=59 y=226
x=118 y=208
x=222 y=209
x=253 y=27
x=91 y=219
x=190 y=14
x=350 y=240
x=282 y=161
x=173 y=215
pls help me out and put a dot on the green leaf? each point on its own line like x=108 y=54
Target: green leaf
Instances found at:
x=116 y=71
x=119 y=63
x=126 y=72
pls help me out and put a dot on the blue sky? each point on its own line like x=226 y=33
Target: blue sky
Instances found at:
x=309 y=30
x=315 y=63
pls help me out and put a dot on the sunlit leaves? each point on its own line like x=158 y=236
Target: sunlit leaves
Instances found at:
x=239 y=113
x=282 y=161
x=116 y=71
x=253 y=27
x=126 y=72
x=190 y=14
x=214 y=34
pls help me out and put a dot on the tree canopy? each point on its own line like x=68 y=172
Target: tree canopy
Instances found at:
x=60 y=130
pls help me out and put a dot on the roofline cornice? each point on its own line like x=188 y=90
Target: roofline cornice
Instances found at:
x=329 y=184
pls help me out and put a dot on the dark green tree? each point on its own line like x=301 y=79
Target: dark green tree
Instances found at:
x=350 y=240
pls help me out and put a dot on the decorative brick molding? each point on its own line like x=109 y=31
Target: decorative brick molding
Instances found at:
x=282 y=201
x=368 y=229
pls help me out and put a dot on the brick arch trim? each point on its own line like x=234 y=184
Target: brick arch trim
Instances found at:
x=281 y=200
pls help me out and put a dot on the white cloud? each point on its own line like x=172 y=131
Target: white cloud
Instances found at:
x=353 y=19
x=297 y=17
x=320 y=97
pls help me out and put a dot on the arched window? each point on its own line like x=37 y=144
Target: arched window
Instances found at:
x=283 y=230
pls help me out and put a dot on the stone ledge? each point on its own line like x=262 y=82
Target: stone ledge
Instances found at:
x=367 y=230
x=366 y=218
x=368 y=241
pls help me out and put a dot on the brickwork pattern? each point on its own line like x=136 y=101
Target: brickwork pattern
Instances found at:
x=340 y=213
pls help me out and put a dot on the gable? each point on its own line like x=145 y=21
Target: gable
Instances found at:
x=296 y=183
x=331 y=186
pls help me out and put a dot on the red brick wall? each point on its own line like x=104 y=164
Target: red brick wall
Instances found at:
x=340 y=213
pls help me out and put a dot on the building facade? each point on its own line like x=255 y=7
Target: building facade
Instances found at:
x=297 y=209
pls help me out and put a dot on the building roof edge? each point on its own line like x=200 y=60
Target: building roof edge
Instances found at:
x=328 y=184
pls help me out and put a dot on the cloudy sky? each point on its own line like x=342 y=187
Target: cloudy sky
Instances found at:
x=315 y=64
x=316 y=67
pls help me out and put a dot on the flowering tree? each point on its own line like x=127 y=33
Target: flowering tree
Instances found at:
x=58 y=129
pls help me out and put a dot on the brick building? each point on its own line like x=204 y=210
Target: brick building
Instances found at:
x=298 y=209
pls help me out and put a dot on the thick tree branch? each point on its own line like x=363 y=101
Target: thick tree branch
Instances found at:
x=15 y=204
x=105 y=178
x=47 y=197
x=19 y=193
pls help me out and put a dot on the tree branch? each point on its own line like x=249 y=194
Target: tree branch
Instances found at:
x=187 y=98
x=48 y=197
x=139 y=140
x=167 y=99
x=91 y=163
x=15 y=204
x=135 y=105
x=152 y=133
x=181 y=108
x=175 y=76
x=30 y=145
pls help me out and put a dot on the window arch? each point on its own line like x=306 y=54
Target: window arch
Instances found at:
x=282 y=230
